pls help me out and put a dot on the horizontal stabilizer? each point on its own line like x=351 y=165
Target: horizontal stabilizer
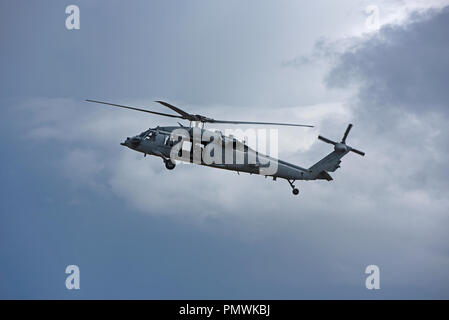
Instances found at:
x=324 y=176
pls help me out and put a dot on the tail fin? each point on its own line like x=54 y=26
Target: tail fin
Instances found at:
x=331 y=162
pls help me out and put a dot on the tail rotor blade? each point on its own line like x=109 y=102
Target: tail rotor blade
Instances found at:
x=358 y=151
x=346 y=133
x=327 y=140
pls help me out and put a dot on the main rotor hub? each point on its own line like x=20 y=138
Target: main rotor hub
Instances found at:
x=340 y=147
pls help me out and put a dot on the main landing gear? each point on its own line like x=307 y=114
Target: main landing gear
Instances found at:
x=169 y=165
x=295 y=190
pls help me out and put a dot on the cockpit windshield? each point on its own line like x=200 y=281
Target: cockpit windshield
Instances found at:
x=148 y=135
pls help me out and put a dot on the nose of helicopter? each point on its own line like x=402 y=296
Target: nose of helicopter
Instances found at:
x=125 y=143
x=131 y=142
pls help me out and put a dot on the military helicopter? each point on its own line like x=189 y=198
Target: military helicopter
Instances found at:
x=167 y=143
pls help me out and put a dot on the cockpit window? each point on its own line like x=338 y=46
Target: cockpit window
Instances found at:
x=149 y=135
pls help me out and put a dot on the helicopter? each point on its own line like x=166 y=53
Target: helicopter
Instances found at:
x=213 y=149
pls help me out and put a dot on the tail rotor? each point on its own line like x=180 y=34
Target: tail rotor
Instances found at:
x=342 y=146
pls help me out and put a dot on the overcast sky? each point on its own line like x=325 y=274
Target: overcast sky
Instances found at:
x=70 y=194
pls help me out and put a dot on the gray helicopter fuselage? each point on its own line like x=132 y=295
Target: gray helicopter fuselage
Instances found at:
x=213 y=149
x=157 y=142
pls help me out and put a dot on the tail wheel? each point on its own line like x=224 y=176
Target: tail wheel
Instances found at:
x=169 y=165
x=294 y=189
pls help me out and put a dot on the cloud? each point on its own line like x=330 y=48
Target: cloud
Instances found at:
x=389 y=207
x=83 y=166
x=400 y=76
x=402 y=66
x=87 y=137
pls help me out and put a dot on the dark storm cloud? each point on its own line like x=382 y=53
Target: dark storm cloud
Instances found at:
x=401 y=66
x=401 y=75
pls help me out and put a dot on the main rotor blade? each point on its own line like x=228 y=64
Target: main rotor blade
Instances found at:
x=327 y=140
x=358 y=151
x=137 y=109
x=176 y=109
x=266 y=123
x=346 y=133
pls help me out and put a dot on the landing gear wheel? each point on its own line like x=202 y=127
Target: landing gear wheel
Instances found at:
x=294 y=189
x=169 y=165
